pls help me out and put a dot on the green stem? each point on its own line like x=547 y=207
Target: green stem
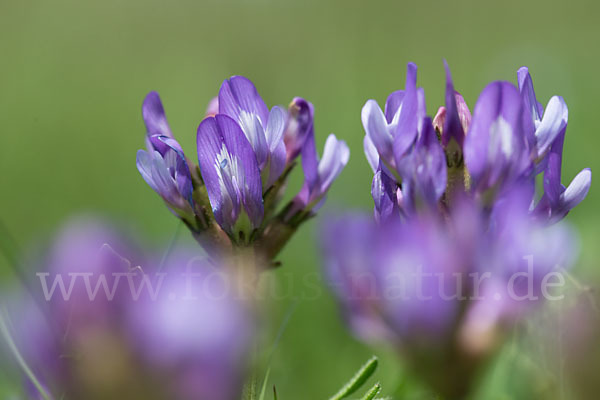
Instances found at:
x=21 y=361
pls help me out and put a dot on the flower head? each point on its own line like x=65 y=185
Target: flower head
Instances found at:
x=111 y=319
x=507 y=141
x=245 y=154
x=443 y=290
x=460 y=246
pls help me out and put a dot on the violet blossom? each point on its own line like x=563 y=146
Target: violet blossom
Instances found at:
x=245 y=153
x=111 y=320
x=460 y=246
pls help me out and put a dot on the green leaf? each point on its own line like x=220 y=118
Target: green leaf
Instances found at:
x=274 y=393
x=264 y=385
x=363 y=374
x=374 y=391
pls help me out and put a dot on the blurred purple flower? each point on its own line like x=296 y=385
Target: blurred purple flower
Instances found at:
x=109 y=322
x=195 y=334
x=448 y=209
x=443 y=289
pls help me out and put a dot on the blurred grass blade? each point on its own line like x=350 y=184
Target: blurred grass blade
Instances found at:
x=250 y=390
x=363 y=374
x=8 y=247
x=20 y=360
x=374 y=391
x=169 y=248
x=263 y=390
x=284 y=323
x=274 y=393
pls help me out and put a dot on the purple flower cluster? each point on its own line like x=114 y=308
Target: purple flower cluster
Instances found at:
x=114 y=321
x=460 y=245
x=245 y=153
x=507 y=142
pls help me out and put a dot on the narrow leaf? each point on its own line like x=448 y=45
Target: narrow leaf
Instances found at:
x=21 y=361
x=374 y=391
x=263 y=390
x=363 y=374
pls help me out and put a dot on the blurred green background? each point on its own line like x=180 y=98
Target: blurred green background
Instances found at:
x=73 y=75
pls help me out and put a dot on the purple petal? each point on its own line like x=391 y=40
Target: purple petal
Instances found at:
x=371 y=153
x=526 y=88
x=239 y=94
x=144 y=166
x=393 y=104
x=163 y=179
x=577 y=190
x=319 y=175
x=239 y=99
x=276 y=146
x=557 y=200
x=168 y=176
x=154 y=116
x=406 y=130
x=176 y=163
x=237 y=145
x=335 y=157
x=310 y=162
x=553 y=187
x=434 y=163
x=161 y=174
x=424 y=170
x=534 y=109
x=300 y=126
x=164 y=143
x=230 y=171
x=210 y=144
x=277 y=163
x=275 y=127
x=383 y=191
x=376 y=128
x=495 y=146
x=453 y=128
x=553 y=122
